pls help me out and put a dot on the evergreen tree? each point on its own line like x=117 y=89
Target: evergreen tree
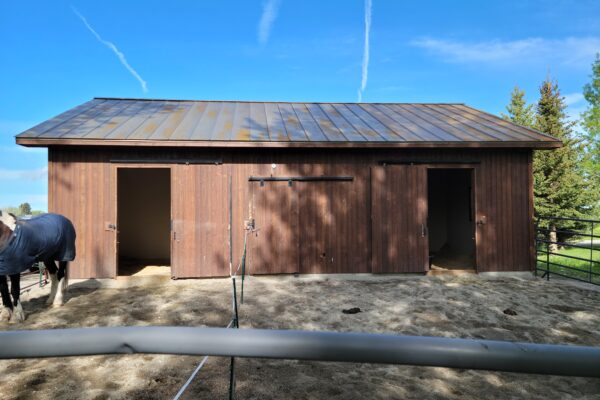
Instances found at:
x=519 y=111
x=25 y=209
x=591 y=124
x=559 y=189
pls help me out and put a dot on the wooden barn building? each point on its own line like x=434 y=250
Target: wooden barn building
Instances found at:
x=324 y=187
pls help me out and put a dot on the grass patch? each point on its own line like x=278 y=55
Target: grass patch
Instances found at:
x=573 y=262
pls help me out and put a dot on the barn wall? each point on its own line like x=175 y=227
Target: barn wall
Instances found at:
x=310 y=227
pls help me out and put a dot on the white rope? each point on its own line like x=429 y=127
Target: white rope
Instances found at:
x=191 y=378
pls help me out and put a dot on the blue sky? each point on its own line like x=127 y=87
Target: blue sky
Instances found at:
x=470 y=52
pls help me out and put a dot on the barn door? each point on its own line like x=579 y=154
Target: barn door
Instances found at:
x=274 y=246
x=199 y=211
x=399 y=219
x=334 y=215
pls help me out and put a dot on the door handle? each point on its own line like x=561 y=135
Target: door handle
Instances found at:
x=423 y=230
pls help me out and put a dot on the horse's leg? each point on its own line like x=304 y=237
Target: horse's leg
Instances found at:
x=7 y=310
x=52 y=270
x=15 y=289
x=62 y=283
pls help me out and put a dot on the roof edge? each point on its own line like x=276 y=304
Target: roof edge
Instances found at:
x=513 y=123
x=46 y=142
x=267 y=102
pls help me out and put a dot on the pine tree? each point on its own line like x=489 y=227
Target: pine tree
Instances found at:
x=519 y=111
x=559 y=189
x=24 y=209
x=591 y=124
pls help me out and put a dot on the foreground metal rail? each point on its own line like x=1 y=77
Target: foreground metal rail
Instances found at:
x=304 y=345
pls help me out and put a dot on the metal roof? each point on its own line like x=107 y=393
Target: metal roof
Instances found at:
x=110 y=121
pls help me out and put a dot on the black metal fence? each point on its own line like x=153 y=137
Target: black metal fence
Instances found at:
x=569 y=248
x=39 y=270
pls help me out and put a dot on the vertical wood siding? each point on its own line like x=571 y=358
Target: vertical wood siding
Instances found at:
x=310 y=227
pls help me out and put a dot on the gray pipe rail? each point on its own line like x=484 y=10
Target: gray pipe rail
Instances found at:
x=491 y=355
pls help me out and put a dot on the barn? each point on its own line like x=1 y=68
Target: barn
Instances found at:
x=310 y=187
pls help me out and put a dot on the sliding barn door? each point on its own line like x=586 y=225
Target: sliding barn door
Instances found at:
x=200 y=217
x=317 y=224
x=274 y=245
x=399 y=219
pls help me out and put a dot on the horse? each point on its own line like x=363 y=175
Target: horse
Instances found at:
x=47 y=238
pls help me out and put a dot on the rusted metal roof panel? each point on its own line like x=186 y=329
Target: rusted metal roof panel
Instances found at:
x=224 y=122
x=76 y=120
x=126 y=129
x=52 y=123
x=241 y=123
x=408 y=125
x=292 y=123
x=348 y=111
x=189 y=122
x=275 y=125
x=207 y=122
x=121 y=118
x=159 y=122
x=332 y=133
x=310 y=126
x=259 y=130
x=413 y=115
x=349 y=131
x=110 y=110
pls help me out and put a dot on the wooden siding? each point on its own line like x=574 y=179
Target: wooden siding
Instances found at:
x=310 y=227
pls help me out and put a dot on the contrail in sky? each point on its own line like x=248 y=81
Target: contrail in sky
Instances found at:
x=115 y=50
x=365 y=61
x=270 y=9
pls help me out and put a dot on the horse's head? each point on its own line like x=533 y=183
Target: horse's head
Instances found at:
x=9 y=220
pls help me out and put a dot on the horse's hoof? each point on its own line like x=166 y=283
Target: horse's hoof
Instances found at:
x=59 y=301
x=18 y=314
x=5 y=314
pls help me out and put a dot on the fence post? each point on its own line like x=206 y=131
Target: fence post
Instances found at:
x=536 y=244
x=591 y=252
x=548 y=252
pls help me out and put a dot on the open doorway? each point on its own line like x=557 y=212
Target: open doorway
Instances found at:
x=451 y=219
x=144 y=221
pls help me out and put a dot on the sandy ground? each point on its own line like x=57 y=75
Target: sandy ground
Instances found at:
x=467 y=306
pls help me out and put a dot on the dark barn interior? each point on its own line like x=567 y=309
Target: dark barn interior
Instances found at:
x=144 y=217
x=450 y=219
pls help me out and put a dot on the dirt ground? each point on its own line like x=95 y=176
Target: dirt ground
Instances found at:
x=463 y=307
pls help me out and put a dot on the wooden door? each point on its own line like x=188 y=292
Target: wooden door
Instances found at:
x=200 y=219
x=399 y=219
x=273 y=246
x=334 y=226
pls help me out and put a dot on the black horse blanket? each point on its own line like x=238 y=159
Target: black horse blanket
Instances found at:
x=45 y=237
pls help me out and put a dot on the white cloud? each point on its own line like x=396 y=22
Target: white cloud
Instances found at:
x=573 y=98
x=269 y=14
x=570 y=51
x=575 y=106
x=115 y=50
x=24 y=174
x=365 y=61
